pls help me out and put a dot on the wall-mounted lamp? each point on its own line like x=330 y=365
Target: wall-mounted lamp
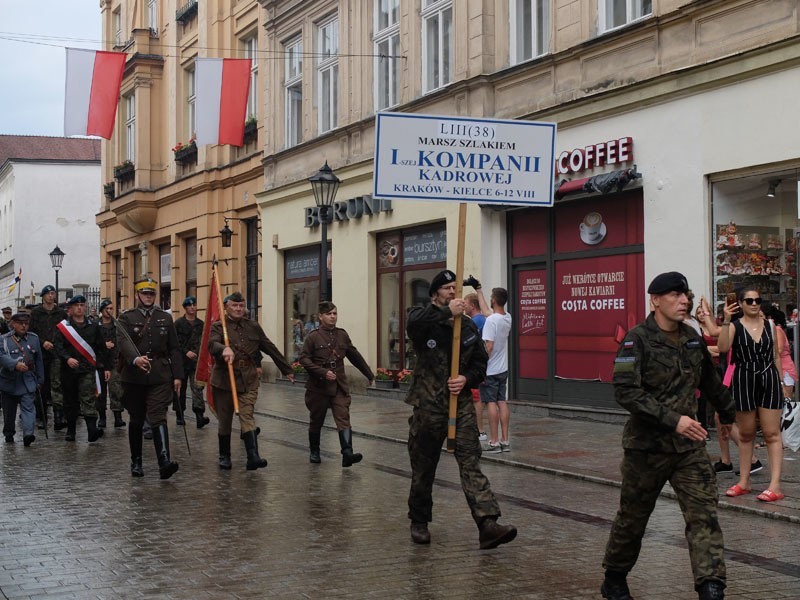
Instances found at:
x=226 y=234
x=773 y=184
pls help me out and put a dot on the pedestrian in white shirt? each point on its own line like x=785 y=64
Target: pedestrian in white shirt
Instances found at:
x=493 y=390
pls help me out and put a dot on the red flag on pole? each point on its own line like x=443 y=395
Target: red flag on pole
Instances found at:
x=205 y=361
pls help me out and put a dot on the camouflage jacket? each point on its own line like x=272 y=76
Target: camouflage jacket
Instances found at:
x=655 y=380
x=190 y=334
x=43 y=324
x=431 y=332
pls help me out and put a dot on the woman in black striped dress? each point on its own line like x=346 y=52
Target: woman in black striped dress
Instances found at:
x=756 y=388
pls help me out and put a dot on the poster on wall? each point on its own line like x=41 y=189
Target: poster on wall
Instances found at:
x=596 y=301
x=532 y=323
x=491 y=161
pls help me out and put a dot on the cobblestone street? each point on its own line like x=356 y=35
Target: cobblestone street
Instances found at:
x=76 y=525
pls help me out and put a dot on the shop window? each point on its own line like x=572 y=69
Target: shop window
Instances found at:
x=302 y=296
x=408 y=260
x=756 y=238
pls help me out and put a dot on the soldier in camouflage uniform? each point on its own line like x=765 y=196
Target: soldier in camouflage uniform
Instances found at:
x=111 y=390
x=430 y=329
x=660 y=364
x=76 y=340
x=190 y=331
x=43 y=323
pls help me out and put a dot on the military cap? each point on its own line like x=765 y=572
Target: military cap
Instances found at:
x=444 y=278
x=326 y=306
x=234 y=297
x=78 y=299
x=22 y=317
x=7 y=309
x=47 y=289
x=668 y=282
x=105 y=303
x=146 y=285
x=189 y=300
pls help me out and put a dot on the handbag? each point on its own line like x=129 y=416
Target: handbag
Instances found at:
x=790 y=425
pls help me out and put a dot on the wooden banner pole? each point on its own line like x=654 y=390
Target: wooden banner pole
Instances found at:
x=456 y=355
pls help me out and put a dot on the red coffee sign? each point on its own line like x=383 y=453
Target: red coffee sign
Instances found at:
x=597 y=155
x=532 y=323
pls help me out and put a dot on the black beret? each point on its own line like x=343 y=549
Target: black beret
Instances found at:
x=668 y=282
x=76 y=300
x=235 y=297
x=189 y=300
x=47 y=289
x=444 y=278
x=21 y=317
x=105 y=303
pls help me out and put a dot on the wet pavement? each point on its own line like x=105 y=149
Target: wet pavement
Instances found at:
x=74 y=524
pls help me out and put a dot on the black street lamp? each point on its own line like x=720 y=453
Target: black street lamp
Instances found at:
x=56 y=258
x=324 y=185
x=226 y=234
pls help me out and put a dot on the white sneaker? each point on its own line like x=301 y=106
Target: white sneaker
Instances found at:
x=494 y=448
x=505 y=446
x=482 y=436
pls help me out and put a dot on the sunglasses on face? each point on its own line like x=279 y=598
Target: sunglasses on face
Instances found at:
x=751 y=301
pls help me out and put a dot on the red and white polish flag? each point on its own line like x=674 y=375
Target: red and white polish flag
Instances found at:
x=222 y=86
x=92 y=92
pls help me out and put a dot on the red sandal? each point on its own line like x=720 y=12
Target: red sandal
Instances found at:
x=770 y=496
x=736 y=490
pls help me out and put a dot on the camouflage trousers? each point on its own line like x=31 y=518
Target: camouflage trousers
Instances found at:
x=427 y=432
x=693 y=479
x=80 y=393
x=110 y=392
x=51 y=389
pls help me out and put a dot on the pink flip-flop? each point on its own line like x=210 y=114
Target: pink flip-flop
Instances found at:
x=737 y=490
x=770 y=496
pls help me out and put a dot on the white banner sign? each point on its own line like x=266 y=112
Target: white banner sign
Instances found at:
x=425 y=157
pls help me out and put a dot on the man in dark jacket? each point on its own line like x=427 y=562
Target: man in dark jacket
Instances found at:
x=81 y=348
x=323 y=354
x=44 y=318
x=430 y=329
x=247 y=341
x=190 y=332
x=153 y=370
x=659 y=365
x=111 y=390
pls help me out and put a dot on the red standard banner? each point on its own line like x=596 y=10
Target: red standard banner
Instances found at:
x=597 y=301
x=205 y=361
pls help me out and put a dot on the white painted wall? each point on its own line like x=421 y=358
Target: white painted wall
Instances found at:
x=50 y=204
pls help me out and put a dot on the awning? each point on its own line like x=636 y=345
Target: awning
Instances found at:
x=602 y=184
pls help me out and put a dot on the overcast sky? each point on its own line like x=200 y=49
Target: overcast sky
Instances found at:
x=32 y=75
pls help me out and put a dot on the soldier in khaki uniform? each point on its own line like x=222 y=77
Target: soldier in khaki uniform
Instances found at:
x=111 y=389
x=430 y=329
x=323 y=354
x=247 y=342
x=659 y=365
x=152 y=370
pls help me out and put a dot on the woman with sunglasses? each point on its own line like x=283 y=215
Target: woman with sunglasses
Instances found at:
x=755 y=387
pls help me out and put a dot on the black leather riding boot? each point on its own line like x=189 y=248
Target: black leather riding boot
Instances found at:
x=346 y=441
x=313 y=444
x=254 y=461
x=201 y=419
x=166 y=468
x=225 y=452
x=135 y=444
x=95 y=433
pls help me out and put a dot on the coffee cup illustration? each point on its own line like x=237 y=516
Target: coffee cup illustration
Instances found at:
x=593 y=230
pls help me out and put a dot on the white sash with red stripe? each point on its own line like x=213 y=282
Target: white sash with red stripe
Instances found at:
x=84 y=349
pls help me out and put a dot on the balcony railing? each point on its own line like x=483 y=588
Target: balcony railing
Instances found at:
x=187 y=12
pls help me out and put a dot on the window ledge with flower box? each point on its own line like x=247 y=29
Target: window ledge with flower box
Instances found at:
x=250 y=130
x=125 y=171
x=186 y=154
x=108 y=190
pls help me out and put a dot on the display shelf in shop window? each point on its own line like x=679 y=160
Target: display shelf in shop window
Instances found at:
x=754 y=256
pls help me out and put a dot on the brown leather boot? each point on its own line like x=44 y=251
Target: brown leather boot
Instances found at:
x=493 y=534
x=420 y=533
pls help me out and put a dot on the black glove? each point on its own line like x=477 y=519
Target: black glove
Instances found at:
x=472 y=282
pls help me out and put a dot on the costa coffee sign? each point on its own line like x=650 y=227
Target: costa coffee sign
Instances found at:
x=597 y=155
